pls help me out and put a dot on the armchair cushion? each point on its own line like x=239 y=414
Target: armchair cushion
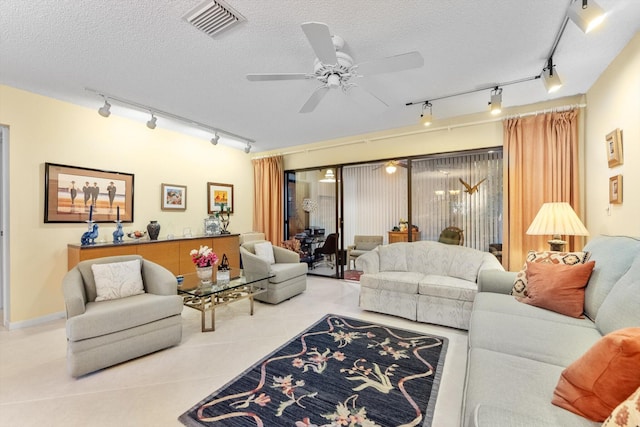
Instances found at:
x=264 y=250
x=367 y=246
x=117 y=280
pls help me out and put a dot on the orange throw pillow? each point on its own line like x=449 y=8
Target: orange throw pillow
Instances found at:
x=595 y=384
x=557 y=287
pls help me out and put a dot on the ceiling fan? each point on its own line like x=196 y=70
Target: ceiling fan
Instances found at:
x=391 y=166
x=334 y=68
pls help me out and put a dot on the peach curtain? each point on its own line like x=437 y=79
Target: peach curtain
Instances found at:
x=268 y=214
x=541 y=165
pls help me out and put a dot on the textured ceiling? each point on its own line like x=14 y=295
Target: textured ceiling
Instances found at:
x=145 y=52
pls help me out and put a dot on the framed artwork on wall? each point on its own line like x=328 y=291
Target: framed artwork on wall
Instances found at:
x=174 y=197
x=76 y=194
x=614 y=148
x=615 y=189
x=219 y=196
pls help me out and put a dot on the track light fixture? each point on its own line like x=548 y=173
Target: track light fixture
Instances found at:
x=426 y=117
x=105 y=110
x=586 y=14
x=247 y=149
x=551 y=78
x=495 y=105
x=151 y=124
x=215 y=139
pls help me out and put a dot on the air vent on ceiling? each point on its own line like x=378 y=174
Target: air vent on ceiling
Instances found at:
x=213 y=17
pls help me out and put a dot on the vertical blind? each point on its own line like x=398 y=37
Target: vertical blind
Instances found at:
x=375 y=201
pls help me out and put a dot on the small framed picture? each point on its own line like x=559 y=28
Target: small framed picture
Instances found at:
x=614 y=148
x=615 y=189
x=174 y=197
x=219 y=197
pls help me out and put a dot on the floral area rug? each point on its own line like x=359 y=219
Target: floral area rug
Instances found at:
x=339 y=372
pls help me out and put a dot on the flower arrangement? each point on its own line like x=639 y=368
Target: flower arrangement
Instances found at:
x=203 y=257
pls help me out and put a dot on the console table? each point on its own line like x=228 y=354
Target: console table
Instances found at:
x=403 y=236
x=172 y=254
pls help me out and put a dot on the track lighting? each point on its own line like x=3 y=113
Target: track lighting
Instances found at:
x=426 y=117
x=247 y=149
x=586 y=14
x=105 y=110
x=495 y=105
x=151 y=124
x=215 y=139
x=551 y=78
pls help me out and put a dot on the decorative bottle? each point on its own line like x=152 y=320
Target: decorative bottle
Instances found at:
x=153 y=228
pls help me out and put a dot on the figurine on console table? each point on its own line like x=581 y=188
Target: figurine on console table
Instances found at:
x=224 y=221
x=118 y=234
x=89 y=237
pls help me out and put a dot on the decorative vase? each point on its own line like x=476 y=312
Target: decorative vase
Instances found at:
x=153 y=228
x=205 y=274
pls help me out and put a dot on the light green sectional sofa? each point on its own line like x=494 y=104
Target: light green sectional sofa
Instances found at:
x=517 y=351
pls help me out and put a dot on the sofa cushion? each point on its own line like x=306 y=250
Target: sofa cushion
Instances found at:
x=447 y=287
x=543 y=340
x=621 y=308
x=401 y=282
x=545 y=257
x=106 y=317
x=613 y=257
x=465 y=262
x=393 y=257
x=558 y=288
x=603 y=377
x=117 y=280
x=507 y=305
x=514 y=384
x=626 y=414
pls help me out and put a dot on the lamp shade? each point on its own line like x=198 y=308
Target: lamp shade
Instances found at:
x=557 y=218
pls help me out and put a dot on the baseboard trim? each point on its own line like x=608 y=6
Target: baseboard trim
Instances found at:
x=37 y=321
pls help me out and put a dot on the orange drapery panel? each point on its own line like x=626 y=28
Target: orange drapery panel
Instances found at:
x=541 y=165
x=268 y=214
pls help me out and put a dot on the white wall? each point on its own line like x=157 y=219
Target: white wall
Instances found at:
x=46 y=130
x=614 y=102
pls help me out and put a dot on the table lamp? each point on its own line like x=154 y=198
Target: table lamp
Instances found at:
x=557 y=218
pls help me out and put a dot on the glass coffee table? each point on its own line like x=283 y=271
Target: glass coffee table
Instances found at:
x=206 y=298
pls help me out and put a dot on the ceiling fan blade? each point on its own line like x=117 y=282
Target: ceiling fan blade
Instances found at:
x=320 y=39
x=283 y=76
x=314 y=99
x=405 y=61
x=366 y=99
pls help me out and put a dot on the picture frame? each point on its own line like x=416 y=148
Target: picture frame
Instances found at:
x=614 y=148
x=615 y=189
x=77 y=194
x=173 y=197
x=219 y=195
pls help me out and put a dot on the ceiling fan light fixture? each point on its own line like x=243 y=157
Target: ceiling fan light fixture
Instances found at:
x=329 y=176
x=105 y=110
x=495 y=105
x=551 y=78
x=391 y=168
x=586 y=14
x=151 y=124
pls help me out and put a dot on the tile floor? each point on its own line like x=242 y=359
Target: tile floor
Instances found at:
x=154 y=390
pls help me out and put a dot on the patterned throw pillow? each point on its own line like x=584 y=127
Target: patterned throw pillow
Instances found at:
x=547 y=257
x=627 y=414
x=117 y=280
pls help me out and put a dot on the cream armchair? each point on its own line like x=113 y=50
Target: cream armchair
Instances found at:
x=288 y=274
x=362 y=245
x=104 y=333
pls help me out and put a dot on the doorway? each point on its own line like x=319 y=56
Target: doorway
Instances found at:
x=314 y=218
x=4 y=226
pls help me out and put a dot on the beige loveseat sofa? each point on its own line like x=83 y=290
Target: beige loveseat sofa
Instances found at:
x=517 y=351
x=425 y=281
